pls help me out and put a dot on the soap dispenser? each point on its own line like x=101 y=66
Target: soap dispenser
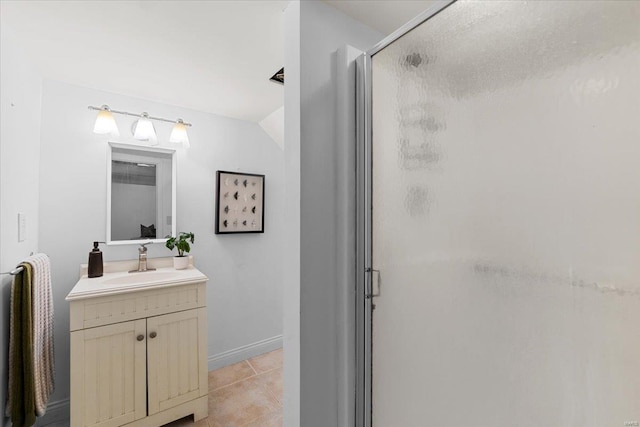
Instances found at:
x=95 y=261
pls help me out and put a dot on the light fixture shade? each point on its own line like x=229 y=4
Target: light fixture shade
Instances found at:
x=179 y=134
x=105 y=123
x=144 y=130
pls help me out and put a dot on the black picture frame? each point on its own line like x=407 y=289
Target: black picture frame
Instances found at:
x=239 y=202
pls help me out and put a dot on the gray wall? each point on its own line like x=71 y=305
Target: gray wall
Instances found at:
x=323 y=30
x=20 y=97
x=245 y=288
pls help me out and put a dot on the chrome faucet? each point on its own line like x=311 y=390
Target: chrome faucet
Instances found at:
x=142 y=259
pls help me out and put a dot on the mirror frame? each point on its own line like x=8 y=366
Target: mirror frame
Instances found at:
x=174 y=176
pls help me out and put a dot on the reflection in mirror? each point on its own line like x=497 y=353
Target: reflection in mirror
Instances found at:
x=141 y=199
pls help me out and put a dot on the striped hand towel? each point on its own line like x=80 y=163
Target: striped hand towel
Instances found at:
x=36 y=372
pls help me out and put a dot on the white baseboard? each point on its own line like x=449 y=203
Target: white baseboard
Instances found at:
x=58 y=411
x=245 y=352
x=57 y=414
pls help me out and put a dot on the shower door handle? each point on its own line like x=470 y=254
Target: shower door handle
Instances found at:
x=370 y=292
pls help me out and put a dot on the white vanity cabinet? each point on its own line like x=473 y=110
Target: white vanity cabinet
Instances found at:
x=138 y=347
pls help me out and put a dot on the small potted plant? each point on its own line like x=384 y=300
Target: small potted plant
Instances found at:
x=181 y=243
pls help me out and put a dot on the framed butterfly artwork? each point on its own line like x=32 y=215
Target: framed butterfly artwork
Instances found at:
x=239 y=203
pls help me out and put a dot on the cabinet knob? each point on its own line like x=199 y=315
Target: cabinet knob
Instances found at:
x=153 y=335
x=140 y=337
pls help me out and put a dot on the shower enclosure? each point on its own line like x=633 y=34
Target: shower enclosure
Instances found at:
x=500 y=217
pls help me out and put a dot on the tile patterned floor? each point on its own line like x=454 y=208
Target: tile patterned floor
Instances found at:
x=247 y=394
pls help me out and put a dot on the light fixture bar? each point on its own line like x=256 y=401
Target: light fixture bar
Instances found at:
x=126 y=113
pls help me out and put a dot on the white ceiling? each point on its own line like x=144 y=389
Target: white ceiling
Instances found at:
x=384 y=16
x=213 y=56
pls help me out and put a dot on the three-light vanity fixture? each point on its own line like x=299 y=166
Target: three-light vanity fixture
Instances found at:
x=142 y=128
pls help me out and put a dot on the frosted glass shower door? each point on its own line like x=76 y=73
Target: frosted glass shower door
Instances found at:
x=506 y=217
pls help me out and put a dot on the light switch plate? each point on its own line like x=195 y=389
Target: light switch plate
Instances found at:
x=22 y=227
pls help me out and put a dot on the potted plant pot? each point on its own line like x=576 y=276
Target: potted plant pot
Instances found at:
x=180 y=262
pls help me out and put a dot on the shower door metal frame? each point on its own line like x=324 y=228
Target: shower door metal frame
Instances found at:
x=364 y=203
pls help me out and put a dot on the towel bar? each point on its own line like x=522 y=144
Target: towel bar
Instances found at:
x=17 y=270
x=14 y=272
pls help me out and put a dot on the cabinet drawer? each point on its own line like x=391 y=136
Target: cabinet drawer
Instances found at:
x=123 y=307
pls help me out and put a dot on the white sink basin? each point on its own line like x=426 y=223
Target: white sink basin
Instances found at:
x=141 y=277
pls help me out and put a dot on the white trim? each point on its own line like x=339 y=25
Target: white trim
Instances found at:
x=239 y=354
x=174 y=191
x=107 y=237
x=143 y=147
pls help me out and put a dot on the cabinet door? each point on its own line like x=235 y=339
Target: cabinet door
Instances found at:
x=108 y=375
x=177 y=358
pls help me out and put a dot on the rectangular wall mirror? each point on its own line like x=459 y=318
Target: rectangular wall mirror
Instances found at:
x=141 y=194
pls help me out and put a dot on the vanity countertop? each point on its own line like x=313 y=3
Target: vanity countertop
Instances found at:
x=118 y=280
